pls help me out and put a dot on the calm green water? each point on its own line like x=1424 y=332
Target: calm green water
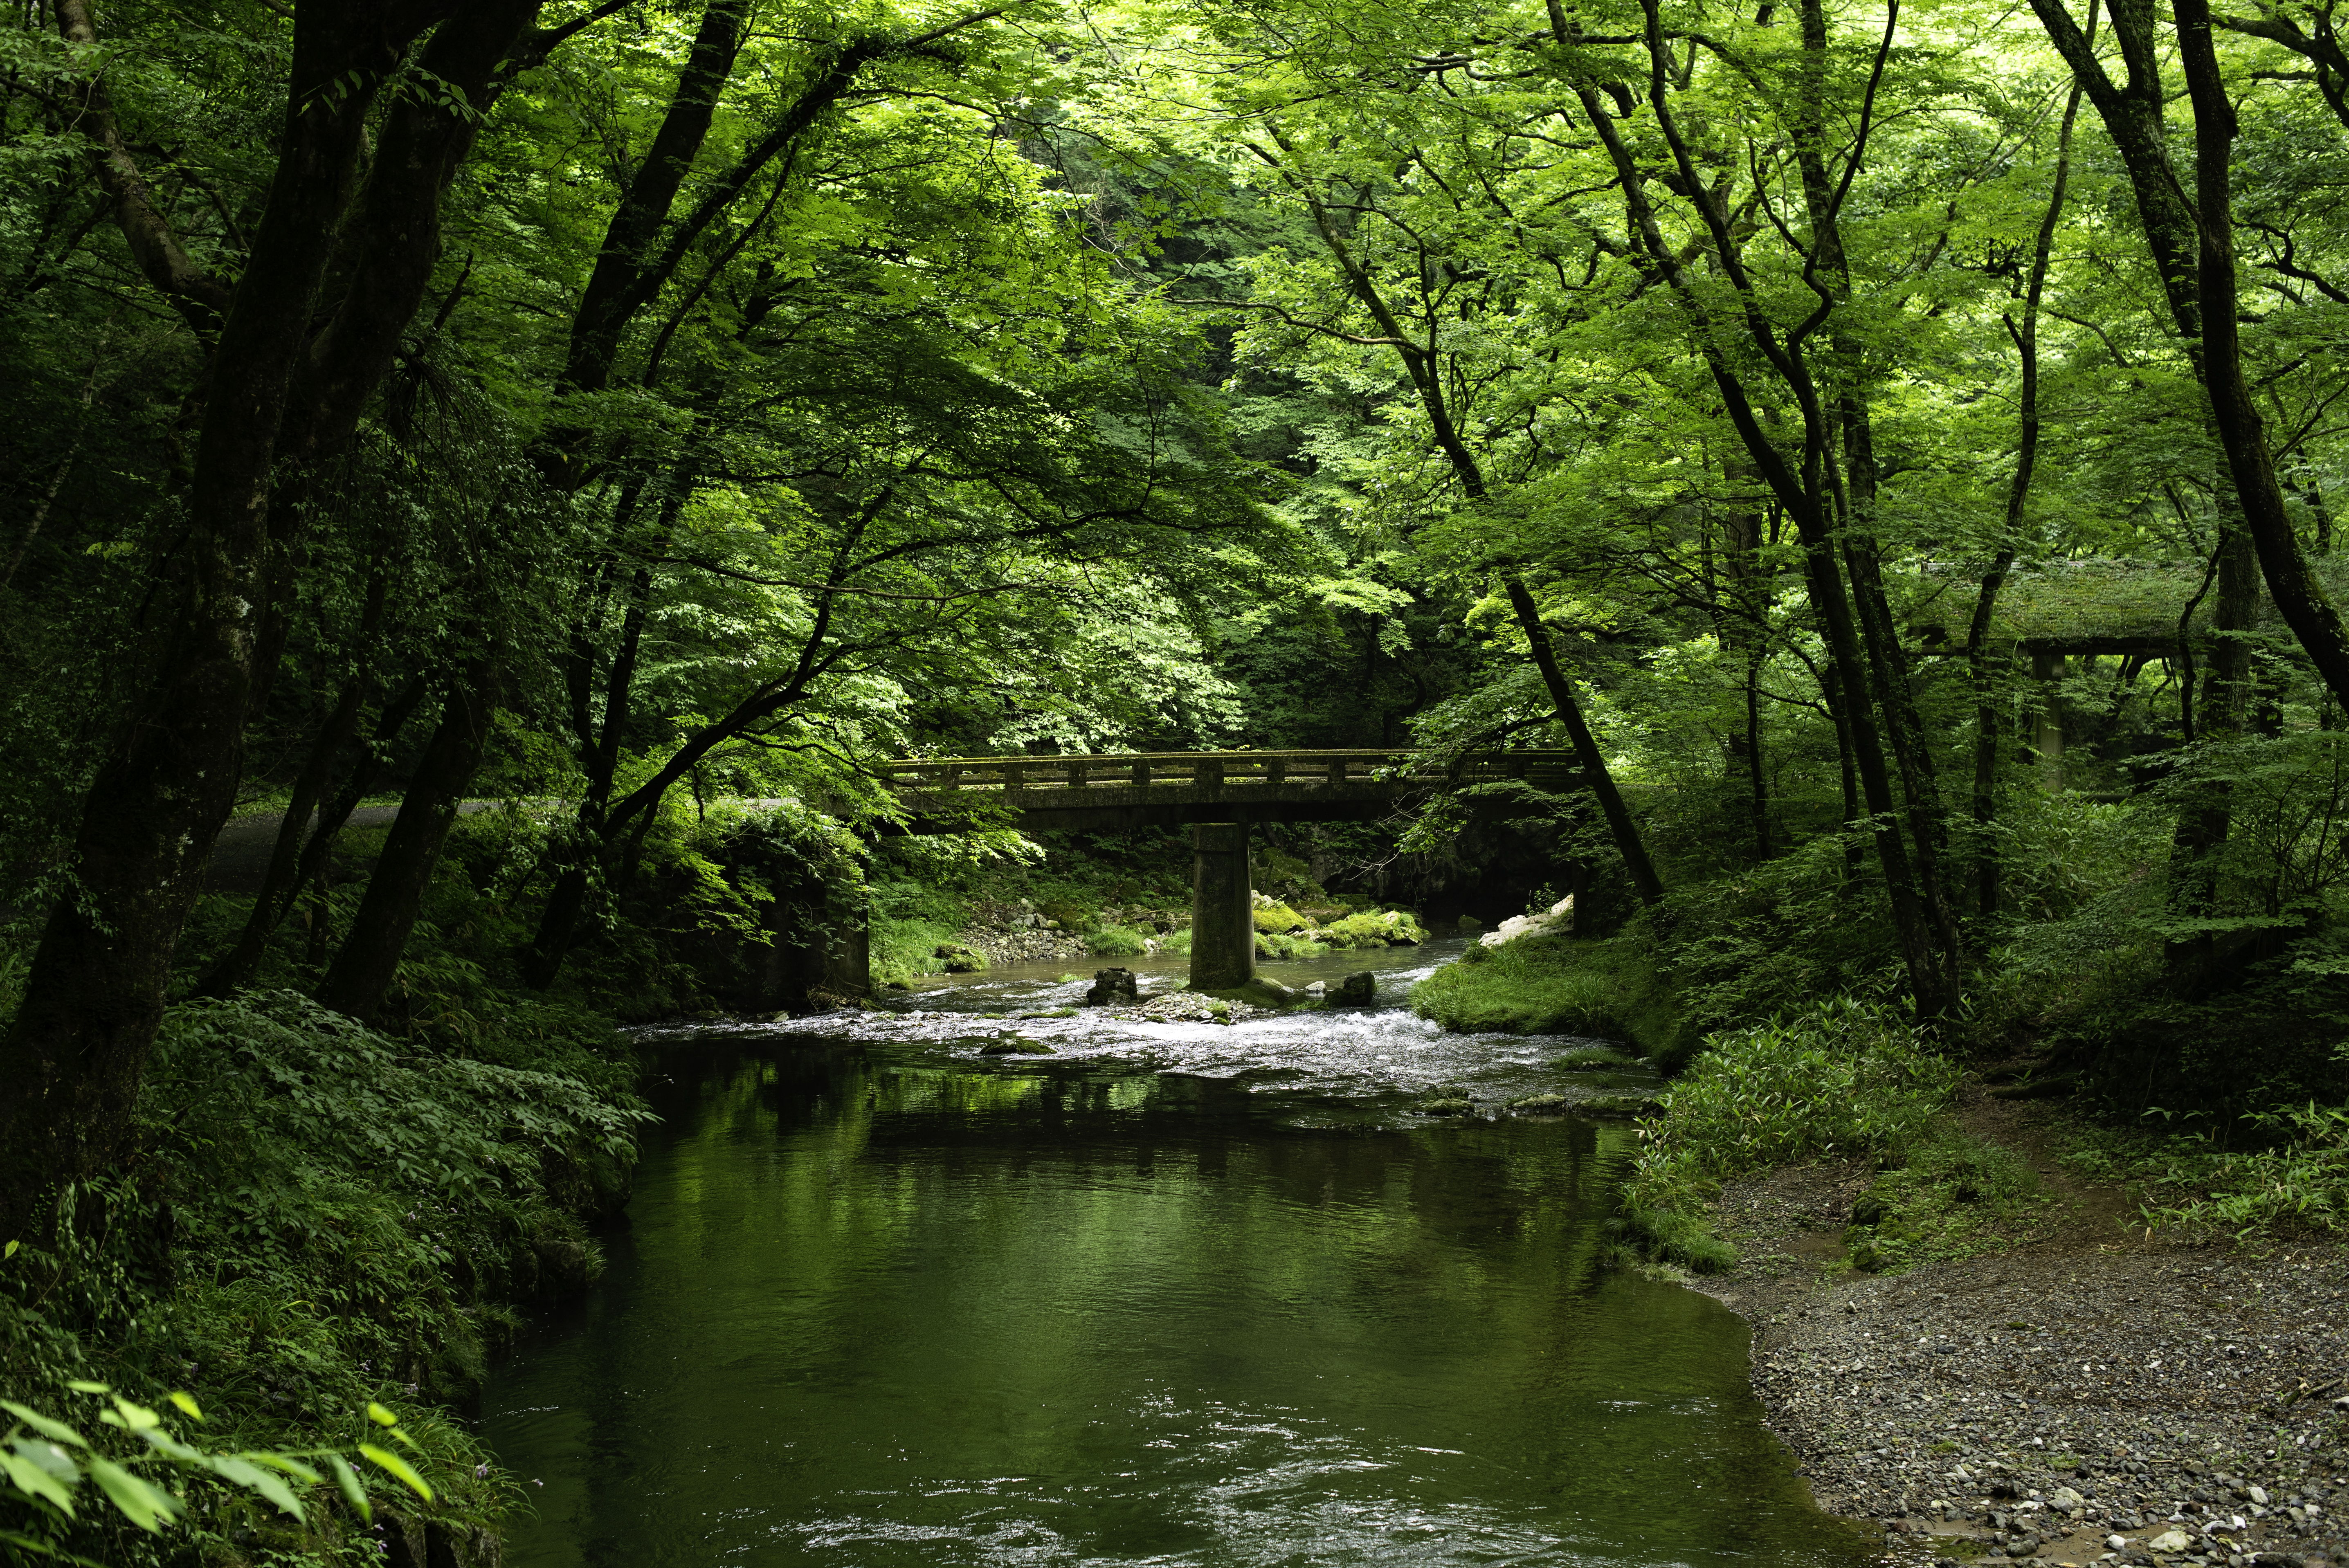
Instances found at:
x=883 y=1301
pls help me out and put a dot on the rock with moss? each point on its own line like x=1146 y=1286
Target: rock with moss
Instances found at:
x=1111 y=987
x=957 y=959
x=1277 y=944
x=1591 y=1059
x=1258 y=993
x=1619 y=1106
x=1016 y=1049
x=1445 y=1105
x=1273 y=917
x=1540 y=1104
x=1358 y=989
x=1369 y=928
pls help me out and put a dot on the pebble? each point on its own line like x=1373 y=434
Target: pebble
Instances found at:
x=2130 y=1401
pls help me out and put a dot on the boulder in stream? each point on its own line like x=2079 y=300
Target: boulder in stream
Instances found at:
x=1358 y=989
x=1112 y=986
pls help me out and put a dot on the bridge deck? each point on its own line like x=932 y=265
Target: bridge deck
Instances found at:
x=1127 y=789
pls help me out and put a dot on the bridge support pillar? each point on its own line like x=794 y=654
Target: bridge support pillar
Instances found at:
x=1223 y=915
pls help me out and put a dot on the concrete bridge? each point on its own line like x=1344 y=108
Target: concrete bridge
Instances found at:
x=1215 y=794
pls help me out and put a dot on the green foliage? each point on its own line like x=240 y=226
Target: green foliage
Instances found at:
x=1950 y=1195
x=48 y=1461
x=1844 y=1078
x=1551 y=985
x=1116 y=942
x=2299 y=1184
x=1392 y=928
x=903 y=949
x=1672 y=1237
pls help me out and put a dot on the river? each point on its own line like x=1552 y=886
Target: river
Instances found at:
x=1178 y=1294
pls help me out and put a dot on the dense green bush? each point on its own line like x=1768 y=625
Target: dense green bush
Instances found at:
x=1116 y=942
x=323 y=1215
x=1844 y=1078
x=903 y=949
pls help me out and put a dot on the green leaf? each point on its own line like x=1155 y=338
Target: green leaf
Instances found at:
x=397 y=1467
x=26 y=1543
x=50 y=1457
x=131 y=1418
x=142 y=1502
x=353 y=1492
x=80 y=1387
x=56 y=1430
x=11 y=1251
x=292 y=1467
x=157 y=1438
x=229 y=1468
x=188 y=1404
x=34 y=1480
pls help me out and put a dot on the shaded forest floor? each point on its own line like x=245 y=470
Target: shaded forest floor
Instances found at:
x=2073 y=1386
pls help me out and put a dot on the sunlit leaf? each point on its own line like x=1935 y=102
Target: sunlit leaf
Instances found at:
x=400 y=1468
x=142 y=1502
x=37 y=1481
x=42 y=1424
x=353 y=1492
x=230 y=1467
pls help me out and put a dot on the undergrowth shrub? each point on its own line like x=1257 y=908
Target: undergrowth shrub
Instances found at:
x=1844 y=1078
x=1949 y=1195
x=322 y=1215
x=1116 y=942
x=2301 y=1184
x=903 y=949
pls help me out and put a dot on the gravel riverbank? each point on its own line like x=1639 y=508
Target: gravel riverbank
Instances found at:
x=2092 y=1394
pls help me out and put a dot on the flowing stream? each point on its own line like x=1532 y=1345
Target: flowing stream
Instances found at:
x=1176 y=1294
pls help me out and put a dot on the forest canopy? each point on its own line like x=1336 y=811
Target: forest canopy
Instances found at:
x=1892 y=445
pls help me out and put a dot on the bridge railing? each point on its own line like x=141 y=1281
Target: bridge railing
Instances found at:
x=1205 y=770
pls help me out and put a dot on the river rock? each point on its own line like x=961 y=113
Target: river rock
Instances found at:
x=1112 y=986
x=1358 y=989
x=2170 y=1540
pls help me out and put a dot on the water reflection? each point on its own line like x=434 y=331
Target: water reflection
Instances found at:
x=879 y=1304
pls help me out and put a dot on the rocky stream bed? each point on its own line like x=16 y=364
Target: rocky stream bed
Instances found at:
x=2096 y=1394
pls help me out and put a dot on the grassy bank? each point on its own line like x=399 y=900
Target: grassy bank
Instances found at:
x=1556 y=986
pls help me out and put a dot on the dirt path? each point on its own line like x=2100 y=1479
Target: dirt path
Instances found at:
x=2089 y=1394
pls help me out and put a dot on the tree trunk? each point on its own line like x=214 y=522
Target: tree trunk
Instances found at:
x=300 y=857
x=368 y=960
x=1745 y=632
x=1628 y=842
x=71 y=1063
x=2300 y=597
